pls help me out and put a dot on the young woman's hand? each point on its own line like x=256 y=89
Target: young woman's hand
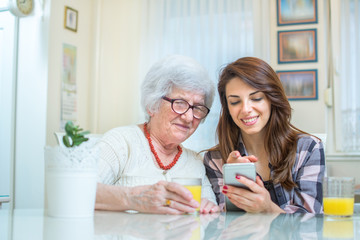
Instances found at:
x=257 y=200
x=235 y=157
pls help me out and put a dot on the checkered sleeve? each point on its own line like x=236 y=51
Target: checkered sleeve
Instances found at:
x=308 y=173
x=213 y=166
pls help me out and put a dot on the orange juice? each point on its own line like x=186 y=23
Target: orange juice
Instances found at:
x=196 y=192
x=338 y=229
x=339 y=206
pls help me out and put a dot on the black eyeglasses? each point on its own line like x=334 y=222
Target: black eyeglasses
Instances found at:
x=181 y=106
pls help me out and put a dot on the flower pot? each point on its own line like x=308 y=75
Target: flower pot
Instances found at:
x=71 y=179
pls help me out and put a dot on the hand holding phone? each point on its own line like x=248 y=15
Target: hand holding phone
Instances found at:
x=235 y=157
x=230 y=171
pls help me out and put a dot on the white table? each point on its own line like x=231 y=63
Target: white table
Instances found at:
x=4 y=199
x=33 y=224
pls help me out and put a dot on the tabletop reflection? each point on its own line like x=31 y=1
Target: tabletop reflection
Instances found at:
x=150 y=226
x=21 y=223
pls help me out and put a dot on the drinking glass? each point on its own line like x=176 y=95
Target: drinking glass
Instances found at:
x=338 y=196
x=193 y=185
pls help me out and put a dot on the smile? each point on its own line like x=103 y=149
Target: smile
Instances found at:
x=250 y=121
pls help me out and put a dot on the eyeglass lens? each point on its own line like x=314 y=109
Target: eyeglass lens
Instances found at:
x=182 y=106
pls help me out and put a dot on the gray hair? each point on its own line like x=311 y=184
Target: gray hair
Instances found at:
x=174 y=71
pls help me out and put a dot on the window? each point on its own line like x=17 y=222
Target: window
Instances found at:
x=345 y=25
x=212 y=32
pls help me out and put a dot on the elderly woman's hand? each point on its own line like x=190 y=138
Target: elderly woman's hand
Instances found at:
x=235 y=157
x=208 y=207
x=162 y=197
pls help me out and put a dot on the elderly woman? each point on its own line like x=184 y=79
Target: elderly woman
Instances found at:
x=138 y=162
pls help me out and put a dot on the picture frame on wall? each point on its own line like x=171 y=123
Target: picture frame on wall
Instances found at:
x=71 y=19
x=300 y=84
x=296 y=12
x=297 y=46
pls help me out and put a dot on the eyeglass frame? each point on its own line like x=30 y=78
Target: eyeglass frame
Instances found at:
x=172 y=100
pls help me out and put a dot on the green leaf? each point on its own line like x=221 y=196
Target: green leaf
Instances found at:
x=69 y=128
x=66 y=141
x=84 y=133
x=74 y=136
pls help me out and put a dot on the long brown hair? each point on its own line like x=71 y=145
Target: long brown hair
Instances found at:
x=280 y=135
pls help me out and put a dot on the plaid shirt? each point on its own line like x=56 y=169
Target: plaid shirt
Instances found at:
x=307 y=172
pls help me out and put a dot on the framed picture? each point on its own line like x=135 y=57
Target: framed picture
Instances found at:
x=297 y=46
x=296 y=12
x=71 y=19
x=299 y=84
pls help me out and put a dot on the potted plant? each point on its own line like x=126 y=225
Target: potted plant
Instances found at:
x=71 y=175
x=74 y=135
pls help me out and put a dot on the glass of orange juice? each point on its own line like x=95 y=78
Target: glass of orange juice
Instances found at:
x=338 y=195
x=193 y=185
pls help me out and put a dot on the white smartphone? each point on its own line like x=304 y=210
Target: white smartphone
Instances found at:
x=230 y=170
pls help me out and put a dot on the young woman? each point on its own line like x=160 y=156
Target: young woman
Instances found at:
x=255 y=126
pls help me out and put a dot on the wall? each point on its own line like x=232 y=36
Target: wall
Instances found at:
x=83 y=40
x=308 y=115
x=315 y=116
x=38 y=89
x=40 y=61
x=116 y=85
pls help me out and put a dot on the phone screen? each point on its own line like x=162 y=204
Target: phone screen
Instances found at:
x=230 y=171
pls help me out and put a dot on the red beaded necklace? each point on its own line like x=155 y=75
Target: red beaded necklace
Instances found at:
x=176 y=158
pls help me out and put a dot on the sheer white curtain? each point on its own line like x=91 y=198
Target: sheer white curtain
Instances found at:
x=350 y=76
x=214 y=32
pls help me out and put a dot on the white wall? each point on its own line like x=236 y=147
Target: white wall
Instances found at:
x=41 y=36
x=308 y=115
x=107 y=44
x=83 y=40
x=117 y=80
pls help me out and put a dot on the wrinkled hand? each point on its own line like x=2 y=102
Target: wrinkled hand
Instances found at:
x=152 y=199
x=235 y=157
x=255 y=201
x=208 y=207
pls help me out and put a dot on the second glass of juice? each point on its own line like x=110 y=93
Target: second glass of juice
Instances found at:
x=193 y=185
x=338 y=196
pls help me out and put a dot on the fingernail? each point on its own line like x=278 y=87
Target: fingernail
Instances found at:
x=194 y=202
x=237 y=177
x=225 y=187
x=224 y=191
